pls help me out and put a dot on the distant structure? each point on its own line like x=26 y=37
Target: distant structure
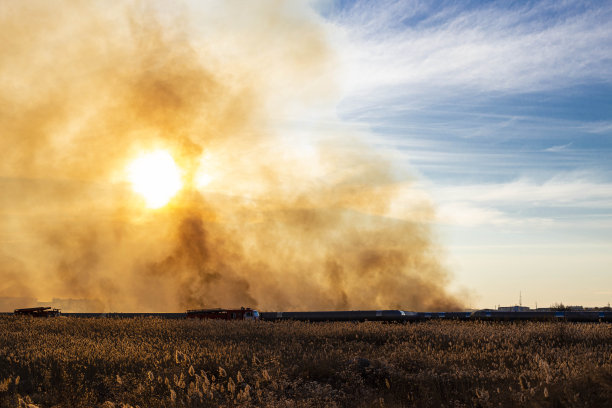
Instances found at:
x=513 y=308
x=557 y=307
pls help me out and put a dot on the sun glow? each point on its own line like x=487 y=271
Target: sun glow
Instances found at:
x=156 y=177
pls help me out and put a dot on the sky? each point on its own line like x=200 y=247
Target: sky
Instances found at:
x=302 y=155
x=501 y=112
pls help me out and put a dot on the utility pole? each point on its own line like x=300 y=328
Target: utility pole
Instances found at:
x=520 y=298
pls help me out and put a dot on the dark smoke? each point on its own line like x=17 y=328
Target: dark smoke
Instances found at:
x=286 y=222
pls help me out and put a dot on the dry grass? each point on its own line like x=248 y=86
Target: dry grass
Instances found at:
x=158 y=363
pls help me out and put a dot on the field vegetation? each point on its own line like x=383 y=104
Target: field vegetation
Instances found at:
x=69 y=362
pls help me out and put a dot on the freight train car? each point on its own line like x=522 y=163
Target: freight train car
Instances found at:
x=338 y=316
x=539 y=315
x=443 y=315
x=37 y=312
x=119 y=315
x=224 y=314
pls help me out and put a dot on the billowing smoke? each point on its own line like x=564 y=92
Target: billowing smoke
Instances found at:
x=277 y=211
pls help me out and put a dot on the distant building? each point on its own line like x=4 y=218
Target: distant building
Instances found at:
x=513 y=308
x=561 y=306
x=571 y=308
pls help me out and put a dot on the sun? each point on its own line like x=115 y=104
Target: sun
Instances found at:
x=156 y=177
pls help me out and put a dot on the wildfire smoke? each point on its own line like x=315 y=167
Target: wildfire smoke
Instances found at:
x=271 y=214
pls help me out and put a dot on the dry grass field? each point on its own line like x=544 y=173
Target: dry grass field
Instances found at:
x=70 y=362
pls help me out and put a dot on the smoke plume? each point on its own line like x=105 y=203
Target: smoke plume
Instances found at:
x=277 y=211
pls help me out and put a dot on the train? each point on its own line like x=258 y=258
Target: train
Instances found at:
x=398 y=316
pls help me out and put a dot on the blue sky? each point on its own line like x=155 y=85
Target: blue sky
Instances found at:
x=502 y=111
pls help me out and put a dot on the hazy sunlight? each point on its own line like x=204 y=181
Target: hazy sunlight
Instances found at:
x=156 y=177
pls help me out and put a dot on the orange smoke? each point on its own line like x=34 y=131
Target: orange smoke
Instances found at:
x=284 y=220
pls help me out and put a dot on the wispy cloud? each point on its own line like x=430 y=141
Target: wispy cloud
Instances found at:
x=518 y=203
x=555 y=149
x=600 y=127
x=556 y=192
x=467 y=214
x=493 y=47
